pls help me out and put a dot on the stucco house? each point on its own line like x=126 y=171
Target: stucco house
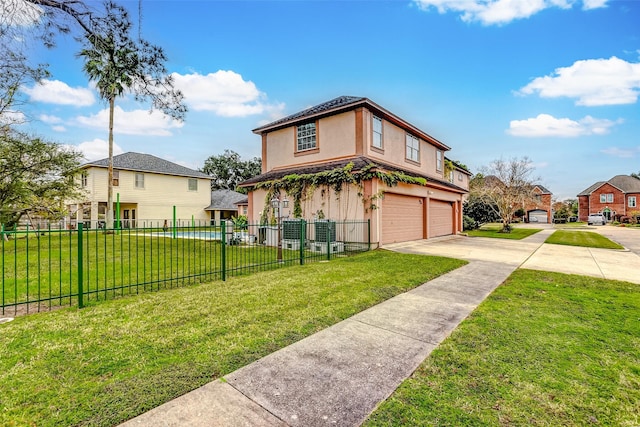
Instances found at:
x=539 y=209
x=226 y=204
x=618 y=196
x=351 y=159
x=147 y=188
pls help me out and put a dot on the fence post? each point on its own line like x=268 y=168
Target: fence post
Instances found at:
x=80 y=265
x=368 y=234
x=223 y=239
x=328 y=240
x=303 y=232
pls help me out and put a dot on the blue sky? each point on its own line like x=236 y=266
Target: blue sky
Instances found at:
x=555 y=80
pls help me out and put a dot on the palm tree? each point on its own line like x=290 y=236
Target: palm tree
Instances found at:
x=120 y=64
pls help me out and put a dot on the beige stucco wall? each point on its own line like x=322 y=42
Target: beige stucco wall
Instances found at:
x=335 y=136
x=156 y=200
x=394 y=148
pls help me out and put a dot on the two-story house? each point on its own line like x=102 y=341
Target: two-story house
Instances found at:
x=405 y=187
x=146 y=189
x=618 y=196
x=539 y=208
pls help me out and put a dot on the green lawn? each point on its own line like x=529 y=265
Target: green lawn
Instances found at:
x=493 y=230
x=114 y=360
x=588 y=239
x=544 y=349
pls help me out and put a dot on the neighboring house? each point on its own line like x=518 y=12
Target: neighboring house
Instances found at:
x=226 y=204
x=355 y=135
x=618 y=196
x=147 y=188
x=539 y=209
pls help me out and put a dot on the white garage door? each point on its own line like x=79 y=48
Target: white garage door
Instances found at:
x=402 y=218
x=440 y=218
x=538 y=216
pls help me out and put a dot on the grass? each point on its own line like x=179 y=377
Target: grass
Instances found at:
x=45 y=267
x=588 y=239
x=111 y=361
x=494 y=231
x=520 y=360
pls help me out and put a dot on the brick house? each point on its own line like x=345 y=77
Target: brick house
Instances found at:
x=618 y=196
x=356 y=134
x=539 y=209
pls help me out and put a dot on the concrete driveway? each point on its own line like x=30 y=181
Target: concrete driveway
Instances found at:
x=534 y=254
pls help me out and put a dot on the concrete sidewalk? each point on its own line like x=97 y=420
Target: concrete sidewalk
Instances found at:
x=339 y=375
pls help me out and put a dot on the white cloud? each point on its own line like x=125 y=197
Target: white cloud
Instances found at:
x=19 y=12
x=496 y=12
x=57 y=92
x=59 y=128
x=225 y=93
x=593 y=82
x=546 y=125
x=136 y=122
x=12 y=118
x=97 y=149
x=50 y=120
x=621 y=152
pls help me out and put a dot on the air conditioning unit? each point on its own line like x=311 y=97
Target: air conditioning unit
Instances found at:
x=322 y=247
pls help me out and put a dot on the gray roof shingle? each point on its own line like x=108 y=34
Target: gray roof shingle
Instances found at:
x=338 y=102
x=359 y=162
x=626 y=183
x=147 y=163
x=225 y=200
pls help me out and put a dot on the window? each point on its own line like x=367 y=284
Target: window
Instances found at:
x=450 y=176
x=377 y=132
x=632 y=201
x=413 y=148
x=84 y=178
x=459 y=176
x=439 y=161
x=193 y=184
x=139 y=180
x=606 y=198
x=116 y=178
x=306 y=137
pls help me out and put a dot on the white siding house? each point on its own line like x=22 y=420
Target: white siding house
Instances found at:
x=147 y=188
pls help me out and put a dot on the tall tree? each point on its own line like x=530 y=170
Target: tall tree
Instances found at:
x=120 y=64
x=505 y=185
x=635 y=175
x=35 y=176
x=227 y=170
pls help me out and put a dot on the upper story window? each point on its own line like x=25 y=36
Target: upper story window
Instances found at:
x=459 y=176
x=84 y=179
x=306 y=137
x=438 y=160
x=116 y=178
x=538 y=197
x=193 y=184
x=606 y=198
x=377 y=132
x=632 y=201
x=450 y=176
x=139 y=183
x=413 y=148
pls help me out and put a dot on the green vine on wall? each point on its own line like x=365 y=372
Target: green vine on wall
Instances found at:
x=297 y=185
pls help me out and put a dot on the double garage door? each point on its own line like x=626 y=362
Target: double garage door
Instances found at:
x=403 y=218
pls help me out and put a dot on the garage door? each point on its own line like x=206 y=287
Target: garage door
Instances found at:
x=440 y=218
x=538 y=216
x=402 y=218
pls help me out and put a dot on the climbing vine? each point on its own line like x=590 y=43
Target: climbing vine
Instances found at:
x=297 y=185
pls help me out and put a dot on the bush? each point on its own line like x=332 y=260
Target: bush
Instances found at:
x=469 y=223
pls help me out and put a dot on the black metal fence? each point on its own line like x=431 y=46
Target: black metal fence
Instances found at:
x=43 y=269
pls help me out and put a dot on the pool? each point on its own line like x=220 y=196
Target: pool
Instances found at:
x=201 y=235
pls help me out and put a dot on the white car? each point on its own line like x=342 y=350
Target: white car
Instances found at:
x=595 y=219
